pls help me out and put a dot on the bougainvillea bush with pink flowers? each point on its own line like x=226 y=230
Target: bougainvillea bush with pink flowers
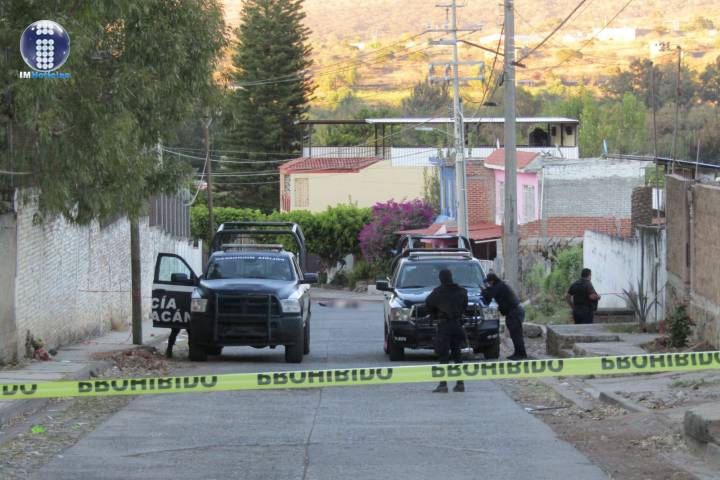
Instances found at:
x=378 y=237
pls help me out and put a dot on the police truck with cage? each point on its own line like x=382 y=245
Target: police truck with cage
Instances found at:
x=249 y=294
x=414 y=274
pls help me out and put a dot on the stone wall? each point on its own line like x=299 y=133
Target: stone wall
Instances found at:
x=72 y=282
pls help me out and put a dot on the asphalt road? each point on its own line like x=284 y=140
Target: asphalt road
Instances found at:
x=378 y=432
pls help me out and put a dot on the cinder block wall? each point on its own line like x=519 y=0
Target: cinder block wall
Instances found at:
x=73 y=282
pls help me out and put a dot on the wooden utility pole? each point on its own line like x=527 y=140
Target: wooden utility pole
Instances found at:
x=136 y=280
x=510 y=233
x=207 y=120
x=677 y=108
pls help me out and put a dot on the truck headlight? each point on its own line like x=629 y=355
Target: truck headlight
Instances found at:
x=198 y=304
x=290 y=306
x=400 y=314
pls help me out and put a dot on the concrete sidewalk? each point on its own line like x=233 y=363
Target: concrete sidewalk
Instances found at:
x=72 y=362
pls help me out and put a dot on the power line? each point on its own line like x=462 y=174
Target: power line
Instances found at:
x=7 y=172
x=591 y=39
x=553 y=32
x=350 y=64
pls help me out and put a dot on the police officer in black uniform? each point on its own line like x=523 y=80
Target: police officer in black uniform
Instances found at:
x=509 y=305
x=447 y=303
x=171 y=341
x=583 y=298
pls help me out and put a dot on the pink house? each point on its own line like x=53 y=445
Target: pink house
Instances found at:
x=528 y=188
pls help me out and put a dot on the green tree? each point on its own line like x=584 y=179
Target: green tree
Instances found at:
x=710 y=82
x=270 y=70
x=138 y=69
x=624 y=125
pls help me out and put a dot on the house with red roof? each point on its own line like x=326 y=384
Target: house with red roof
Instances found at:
x=316 y=183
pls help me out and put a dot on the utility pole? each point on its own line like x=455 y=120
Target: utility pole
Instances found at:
x=136 y=280
x=459 y=129
x=207 y=120
x=510 y=233
x=677 y=108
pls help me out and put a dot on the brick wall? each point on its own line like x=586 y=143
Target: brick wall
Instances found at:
x=575 y=227
x=72 y=282
x=693 y=254
x=641 y=204
x=677 y=220
x=480 y=193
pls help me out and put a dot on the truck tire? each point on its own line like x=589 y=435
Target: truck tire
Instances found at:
x=217 y=350
x=492 y=352
x=396 y=350
x=197 y=353
x=306 y=338
x=294 y=352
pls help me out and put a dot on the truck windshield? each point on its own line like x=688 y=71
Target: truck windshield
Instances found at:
x=266 y=267
x=425 y=274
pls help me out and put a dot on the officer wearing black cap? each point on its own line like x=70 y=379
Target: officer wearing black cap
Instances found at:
x=447 y=303
x=509 y=305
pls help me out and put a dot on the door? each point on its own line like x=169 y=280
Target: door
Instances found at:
x=173 y=284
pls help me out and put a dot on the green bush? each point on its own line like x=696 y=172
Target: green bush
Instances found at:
x=565 y=270
x=363 y=271
x=331 y=234
x=679 y=327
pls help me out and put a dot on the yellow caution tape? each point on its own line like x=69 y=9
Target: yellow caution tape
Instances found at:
x=651 y=363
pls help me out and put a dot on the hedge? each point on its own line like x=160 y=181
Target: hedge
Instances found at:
x=331 y=234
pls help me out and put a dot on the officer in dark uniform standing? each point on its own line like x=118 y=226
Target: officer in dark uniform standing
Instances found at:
x=509 y=305
x=583 y=298
x=447 y=303
x=171 y=341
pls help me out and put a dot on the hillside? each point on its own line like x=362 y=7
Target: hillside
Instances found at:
x=380 y=37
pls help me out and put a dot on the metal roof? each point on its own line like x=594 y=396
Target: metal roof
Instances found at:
x=443 y=120
x=471 y=120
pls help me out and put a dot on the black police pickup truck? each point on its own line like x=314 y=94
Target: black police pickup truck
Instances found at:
x=249 y=294
x=415 y=272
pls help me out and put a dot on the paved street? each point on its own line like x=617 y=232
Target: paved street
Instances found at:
x=400 y=431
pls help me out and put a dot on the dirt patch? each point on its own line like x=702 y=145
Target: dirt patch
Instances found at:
x=35 y=440
x=625 y=445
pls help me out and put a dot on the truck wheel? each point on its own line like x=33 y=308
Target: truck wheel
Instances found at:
x=306 y=338
x=294 y=353
x=197 y=353
x=214 y=350
x=395 y=349
x=492 y=352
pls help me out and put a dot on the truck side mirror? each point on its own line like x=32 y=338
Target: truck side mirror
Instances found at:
x=383 y=286
x=310 y=278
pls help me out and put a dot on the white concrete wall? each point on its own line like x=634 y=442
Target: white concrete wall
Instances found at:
x=617 y=264
x=8 y=239
x=73 y=281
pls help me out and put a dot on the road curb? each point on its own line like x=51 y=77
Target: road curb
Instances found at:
x=18 y=408
x=619 y=401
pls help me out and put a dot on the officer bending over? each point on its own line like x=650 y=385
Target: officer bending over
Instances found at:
x=447 y=303
x=509 y=305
